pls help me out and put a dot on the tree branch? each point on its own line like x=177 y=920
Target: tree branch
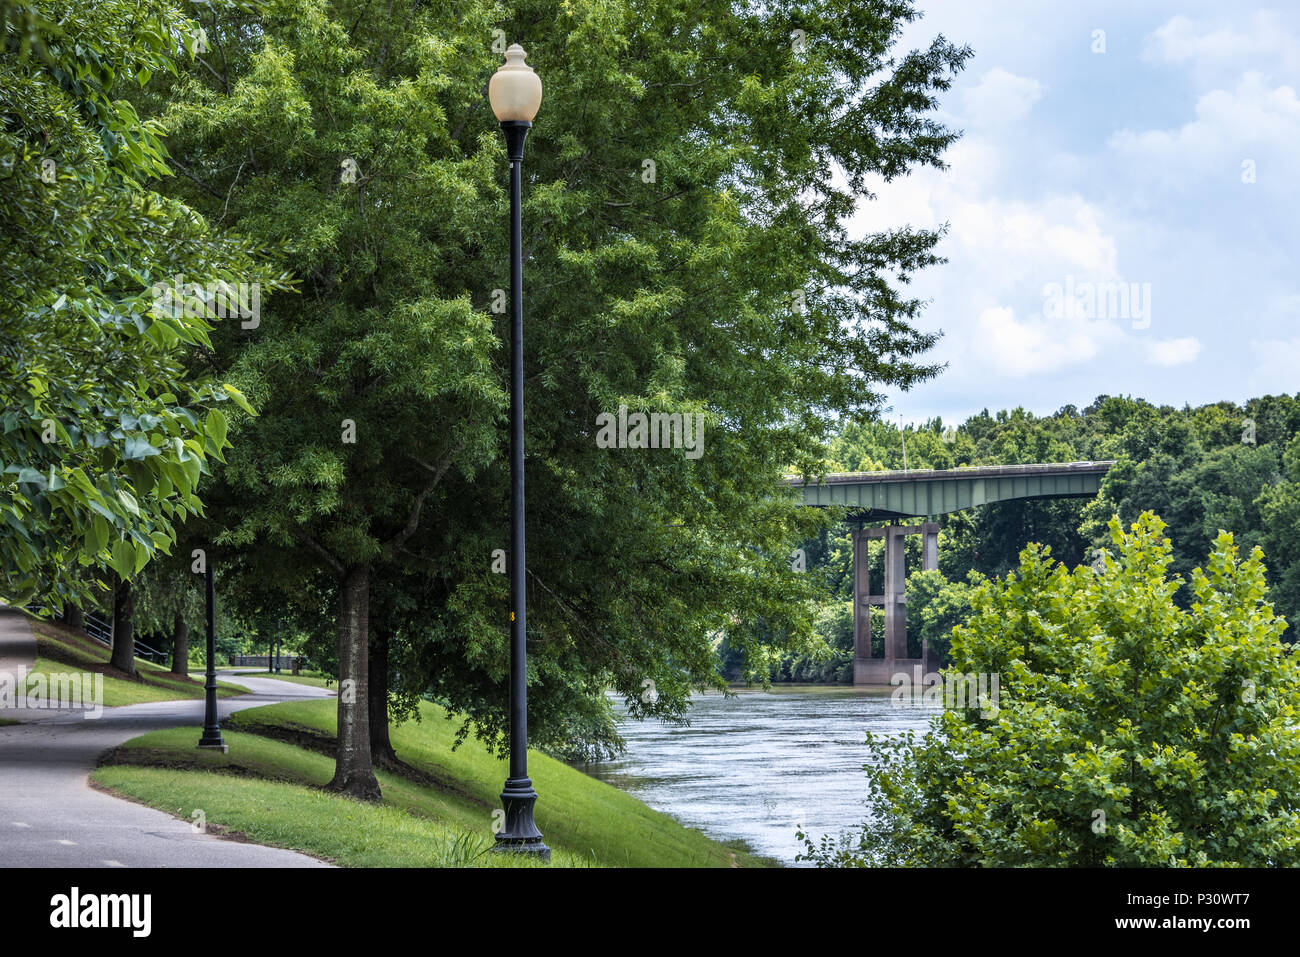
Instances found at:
x=324 y=553
x=413 y=519
x=194 y=179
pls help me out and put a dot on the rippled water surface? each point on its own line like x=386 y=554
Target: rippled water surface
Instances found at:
x=753 y=765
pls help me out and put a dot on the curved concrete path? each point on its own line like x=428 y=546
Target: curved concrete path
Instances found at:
x=51 y=817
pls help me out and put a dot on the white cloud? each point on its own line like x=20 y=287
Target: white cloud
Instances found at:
x=1036 y=346
x=1010 y=244
x=1276 y=366
x=1001 y=97
x=1265 y=39
x=1174 y=352
x=1253 y=121
x=1287 y=303
x=1002 y=252
x=1111 y=169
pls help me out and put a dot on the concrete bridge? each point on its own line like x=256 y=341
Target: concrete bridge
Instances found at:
x=916 y=493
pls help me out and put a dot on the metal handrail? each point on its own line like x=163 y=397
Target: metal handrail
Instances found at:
x=101 y=629
x=98 y=628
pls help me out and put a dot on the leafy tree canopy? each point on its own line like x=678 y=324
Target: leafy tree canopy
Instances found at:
x=686 y=252
x=104 y=433
x=1127 y=731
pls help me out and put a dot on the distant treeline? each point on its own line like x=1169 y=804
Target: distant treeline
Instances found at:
x=1219 y=466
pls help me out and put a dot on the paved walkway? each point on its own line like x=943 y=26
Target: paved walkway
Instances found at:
x=17 y=646
x=51 y=817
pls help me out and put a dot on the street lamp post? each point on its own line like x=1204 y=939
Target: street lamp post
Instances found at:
x=211 y=726
x=515 y=92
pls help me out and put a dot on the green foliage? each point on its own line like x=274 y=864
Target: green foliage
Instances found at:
x=830 y=659
x=1128 y=731
x=935 y=606
x=1216 y=467
x=1219 y=466
x=168 y=588
x=104 y=435
x=1279 y=512
x=673 y=293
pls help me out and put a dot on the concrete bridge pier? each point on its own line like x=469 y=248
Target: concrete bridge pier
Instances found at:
x=924 y=493
x=869 y=670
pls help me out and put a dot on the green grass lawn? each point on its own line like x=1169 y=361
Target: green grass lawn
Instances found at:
x=59 y=649
x=440 y=815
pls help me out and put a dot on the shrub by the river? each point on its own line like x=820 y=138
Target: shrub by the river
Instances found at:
x=1128 y=731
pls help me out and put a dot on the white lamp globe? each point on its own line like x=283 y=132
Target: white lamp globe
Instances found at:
x=515 y=91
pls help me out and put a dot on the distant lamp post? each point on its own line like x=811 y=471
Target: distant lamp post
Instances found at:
x=211 y=726
x=515 y=93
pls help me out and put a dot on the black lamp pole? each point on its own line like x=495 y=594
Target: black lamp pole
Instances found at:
x=211 y=726
x=520 y=832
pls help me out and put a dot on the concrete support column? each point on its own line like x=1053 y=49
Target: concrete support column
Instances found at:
x=861 y=591
x=929 y=562
x=895 y=598
x=930 y=546
x=878 y=672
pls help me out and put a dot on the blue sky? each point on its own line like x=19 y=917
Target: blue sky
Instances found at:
x=1126 y=167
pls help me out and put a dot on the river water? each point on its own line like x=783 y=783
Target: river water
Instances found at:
x=754 y=765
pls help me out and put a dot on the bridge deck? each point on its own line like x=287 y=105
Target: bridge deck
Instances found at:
x=917 y=492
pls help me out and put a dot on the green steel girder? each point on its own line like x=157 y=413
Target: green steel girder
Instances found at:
x=923 y=492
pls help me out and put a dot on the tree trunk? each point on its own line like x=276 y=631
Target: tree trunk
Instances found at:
x=381 y=748
x=180 y=645
x=353 y=772
x=123 y=657
x=74 y=617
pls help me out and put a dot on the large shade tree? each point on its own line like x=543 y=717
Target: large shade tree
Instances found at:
x=688 y=187
x=106 y=427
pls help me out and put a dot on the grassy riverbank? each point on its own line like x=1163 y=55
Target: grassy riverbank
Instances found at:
x=59 y=649
x=438 y=809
